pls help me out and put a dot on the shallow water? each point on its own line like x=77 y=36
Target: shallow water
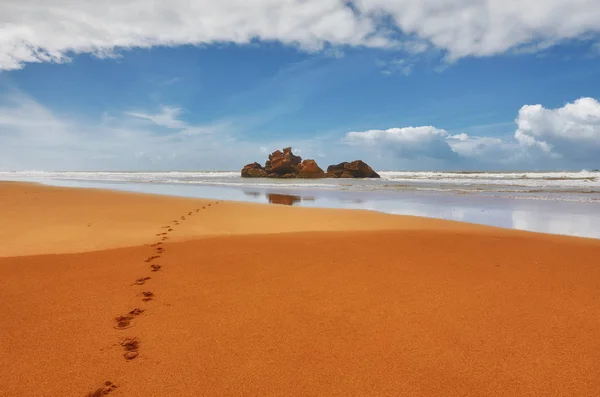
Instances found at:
x=568 y=217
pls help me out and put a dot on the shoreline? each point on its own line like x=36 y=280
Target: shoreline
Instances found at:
x=276 y=300
x=578 y=219
x=308 y=219
x=74 y=211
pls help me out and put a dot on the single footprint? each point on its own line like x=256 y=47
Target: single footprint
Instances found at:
x=170 y=230
x=183 y=218
x=142 y=281
x=209 y=205
x=189 y=213
x=197 y=209
x=154 y=268
x=131 y=346
x=151 y=258
x=155 y=244
x=164 y=238
x=104 y=390
x=136 y=312
x=123 y=322
x=160 y=249
x=147 y=296
x=204 y=207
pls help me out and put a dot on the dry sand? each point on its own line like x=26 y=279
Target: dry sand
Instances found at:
x=266 y=300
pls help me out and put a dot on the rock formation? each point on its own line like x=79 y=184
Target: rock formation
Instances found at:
x=355 y=169
x=253 y=170
x=283 y=163
x=310 y=169
x=287 y=165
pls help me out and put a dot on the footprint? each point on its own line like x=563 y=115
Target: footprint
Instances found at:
x=147 y=296
x=142 y=281
x=154 y=268
x=183 y=218
x=123 y=322
x=197 y=209
x=131 y=346
x=160 y=249
x=164 y=238
x=155 y=244
x=151 y=258
x=204 y=207
x=136 y=312
x=189 y=213
x=170 y=230
x=104 y=390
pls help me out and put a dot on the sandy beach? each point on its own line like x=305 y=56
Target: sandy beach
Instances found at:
x=270 y=300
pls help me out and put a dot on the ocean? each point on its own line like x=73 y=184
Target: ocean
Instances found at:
x=552 y=202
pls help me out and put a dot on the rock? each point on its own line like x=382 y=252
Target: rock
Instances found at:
x=253 y=170
x=282 y=163
x=310 y=169
x=354 y=169
x=287 y=176
x=285 y=164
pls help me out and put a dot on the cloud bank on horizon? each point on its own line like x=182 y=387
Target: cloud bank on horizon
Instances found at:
x=571 y=132
x=33 y=136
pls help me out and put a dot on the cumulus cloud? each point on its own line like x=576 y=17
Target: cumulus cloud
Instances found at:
x=53 y=30
x=407 y=142
x=480 y=28
x=570 y=133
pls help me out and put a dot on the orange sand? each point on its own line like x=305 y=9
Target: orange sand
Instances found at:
x=265 y=300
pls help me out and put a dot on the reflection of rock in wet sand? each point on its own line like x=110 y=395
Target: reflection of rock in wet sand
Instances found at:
x=252 y=194
x=284 y=199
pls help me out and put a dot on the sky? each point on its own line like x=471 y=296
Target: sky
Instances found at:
x=202 y=85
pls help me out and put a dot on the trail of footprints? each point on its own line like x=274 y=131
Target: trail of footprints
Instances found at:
x=131 y=345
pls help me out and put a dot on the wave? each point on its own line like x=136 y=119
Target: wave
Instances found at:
x=551 y=185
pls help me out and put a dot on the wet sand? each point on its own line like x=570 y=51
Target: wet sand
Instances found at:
x=272 y=300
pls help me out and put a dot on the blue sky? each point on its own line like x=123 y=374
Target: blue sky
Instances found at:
x=407 y=85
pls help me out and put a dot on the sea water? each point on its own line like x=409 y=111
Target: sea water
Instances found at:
x=552 y=202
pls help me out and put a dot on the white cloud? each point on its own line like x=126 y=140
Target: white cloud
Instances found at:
x=486 y=149
x=407 y=142
x=167 y=117
x=35 y=138
x=53 y=30
x=572 y=131
x=392 y=66
x=487 y=27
